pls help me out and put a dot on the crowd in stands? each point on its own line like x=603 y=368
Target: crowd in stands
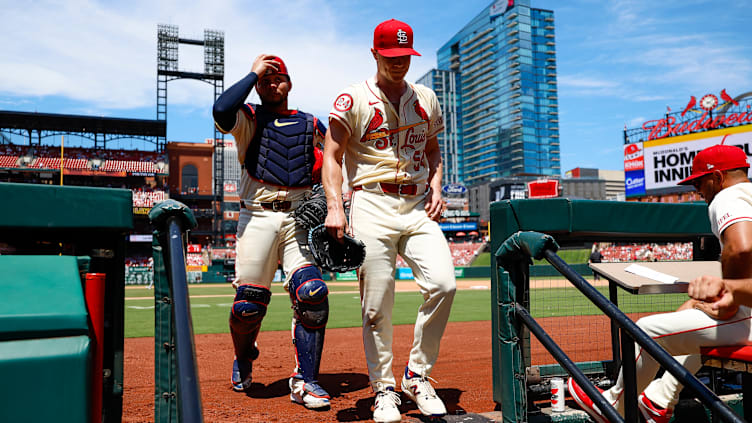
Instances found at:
x=139 y=261
x=48 y=157
x=463 y=253
x=147 y=197
x=618 y=252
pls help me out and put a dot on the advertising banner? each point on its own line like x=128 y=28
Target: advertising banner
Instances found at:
x=634 y=183
x=352 y=275
x=461 y=226
x=669 y=160
x=405 y=273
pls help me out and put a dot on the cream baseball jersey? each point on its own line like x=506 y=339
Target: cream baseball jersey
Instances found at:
x=731 y=205
x=387 y=144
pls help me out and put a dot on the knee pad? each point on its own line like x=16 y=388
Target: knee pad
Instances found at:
x=308 y=294
x=250 y=304
x=248 y=310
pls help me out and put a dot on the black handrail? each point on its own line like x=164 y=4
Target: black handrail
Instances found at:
x=189 y=393
x=646 y=342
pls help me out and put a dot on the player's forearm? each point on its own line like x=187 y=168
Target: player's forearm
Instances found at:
x=331 y=178
x=434 y=168
x=227 y=105
x=736 y=263
x=741 y=289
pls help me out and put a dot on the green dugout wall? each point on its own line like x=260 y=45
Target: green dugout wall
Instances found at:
x=573 y=222
x=65 y=221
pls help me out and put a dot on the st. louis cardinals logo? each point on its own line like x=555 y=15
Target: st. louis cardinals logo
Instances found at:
x=401 y=36
x=373 y=125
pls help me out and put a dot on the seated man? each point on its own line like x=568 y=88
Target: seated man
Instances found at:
x=718 y=312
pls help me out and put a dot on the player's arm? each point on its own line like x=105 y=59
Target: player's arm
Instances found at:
x=434 y=203
x=725 y=295
x=227 y=105
x=335 y=143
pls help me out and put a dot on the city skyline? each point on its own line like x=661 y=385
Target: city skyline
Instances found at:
x=619 y=63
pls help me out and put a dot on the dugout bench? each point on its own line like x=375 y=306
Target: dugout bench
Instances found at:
x=49 y=237
x=574 y=223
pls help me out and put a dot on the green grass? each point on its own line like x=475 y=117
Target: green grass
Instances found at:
x=210 y=314
x=571 y=256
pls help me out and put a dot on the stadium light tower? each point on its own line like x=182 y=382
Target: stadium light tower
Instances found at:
x=168 y=42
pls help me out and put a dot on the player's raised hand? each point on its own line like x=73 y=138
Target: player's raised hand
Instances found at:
x=264 y=63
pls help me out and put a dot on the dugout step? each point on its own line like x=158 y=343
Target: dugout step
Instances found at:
x=490 y=417
x=688 y=410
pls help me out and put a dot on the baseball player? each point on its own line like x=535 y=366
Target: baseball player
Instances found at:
x=386 y=128
x=276 y=148
x=718 y=312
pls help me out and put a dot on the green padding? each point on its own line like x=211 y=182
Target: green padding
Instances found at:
x=523 y=245
x=41 y=297
x=59 y=207
x=612 y=217
x=45 y=380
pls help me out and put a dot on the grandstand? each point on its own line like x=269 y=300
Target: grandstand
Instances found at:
x=623 y=252
x=463 y=253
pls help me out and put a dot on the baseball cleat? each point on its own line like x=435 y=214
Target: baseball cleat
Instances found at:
x=420 y=391
x=241 y=376
x=585 y=402
x=651 y=412
x=310 y=394
x=385 y=406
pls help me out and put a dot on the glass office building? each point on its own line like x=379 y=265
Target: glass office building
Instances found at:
x=446 y=84
x=507 y=110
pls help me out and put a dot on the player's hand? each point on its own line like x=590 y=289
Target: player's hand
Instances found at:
x=264 y=63
x=336 y=224
x=716 y=311
x=434 y=204
x=712 y=291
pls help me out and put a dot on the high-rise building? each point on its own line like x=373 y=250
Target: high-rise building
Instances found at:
x=507 y=111
x=446 y=85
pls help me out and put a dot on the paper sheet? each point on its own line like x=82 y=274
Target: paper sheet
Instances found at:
x=650 y=273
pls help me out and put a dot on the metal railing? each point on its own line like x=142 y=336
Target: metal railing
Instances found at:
x=512 y=255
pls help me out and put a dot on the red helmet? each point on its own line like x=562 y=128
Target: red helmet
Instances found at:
x=282 y=67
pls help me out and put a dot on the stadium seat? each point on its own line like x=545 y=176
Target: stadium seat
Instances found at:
x=735 y=358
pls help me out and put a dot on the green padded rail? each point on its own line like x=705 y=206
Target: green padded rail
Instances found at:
x=60 y=207
x=41 y=297
x=45 y=380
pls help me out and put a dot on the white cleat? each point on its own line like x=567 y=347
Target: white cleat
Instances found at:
x=420 y=391
x=385 y=407
x=310 y=395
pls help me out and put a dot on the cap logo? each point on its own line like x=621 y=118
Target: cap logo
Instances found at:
x=401 y=36
x=710 y=166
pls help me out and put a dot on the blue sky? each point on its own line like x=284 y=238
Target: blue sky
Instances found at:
x=619 y=62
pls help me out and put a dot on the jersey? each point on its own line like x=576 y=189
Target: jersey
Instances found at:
x=387 y=144
x=254 y=190
x=731 y=205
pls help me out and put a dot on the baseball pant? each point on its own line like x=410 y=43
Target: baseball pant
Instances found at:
x=264 y=237
x=681 y=334
x=389 y=224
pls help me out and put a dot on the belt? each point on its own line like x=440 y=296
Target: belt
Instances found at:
x=276 y=205
x=399 y=189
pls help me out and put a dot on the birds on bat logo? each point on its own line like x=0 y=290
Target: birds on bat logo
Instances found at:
x=708 y=102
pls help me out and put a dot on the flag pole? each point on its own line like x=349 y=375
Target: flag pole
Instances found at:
x=62 y=141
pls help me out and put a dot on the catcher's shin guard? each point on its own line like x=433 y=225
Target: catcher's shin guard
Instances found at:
x=248 y=310
x=308 y=294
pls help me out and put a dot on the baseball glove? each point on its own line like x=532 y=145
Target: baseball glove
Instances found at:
x=332 y=255
x=312 y=212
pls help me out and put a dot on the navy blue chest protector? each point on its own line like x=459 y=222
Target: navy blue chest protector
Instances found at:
x=281 y=152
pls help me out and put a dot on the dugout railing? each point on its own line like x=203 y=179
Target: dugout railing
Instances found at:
x=574 y=223
x=177 y=394
x=513 y=256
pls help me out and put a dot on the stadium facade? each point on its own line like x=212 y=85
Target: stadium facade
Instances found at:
x=503 y=68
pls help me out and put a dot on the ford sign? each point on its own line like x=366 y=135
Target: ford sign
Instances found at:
x=454 y=189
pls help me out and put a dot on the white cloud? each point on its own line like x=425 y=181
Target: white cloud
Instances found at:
x=105 y=53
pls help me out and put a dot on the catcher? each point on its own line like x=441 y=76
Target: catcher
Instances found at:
x=277 y=149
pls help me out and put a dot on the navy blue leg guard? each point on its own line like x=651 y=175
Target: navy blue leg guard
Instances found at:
x=248 y=310
x=308 y=294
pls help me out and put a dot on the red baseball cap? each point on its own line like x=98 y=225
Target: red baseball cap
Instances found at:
x=281 y=65
x=394 y=38
x=717 y=157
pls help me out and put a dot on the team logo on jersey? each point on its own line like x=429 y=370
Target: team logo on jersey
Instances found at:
x=343 y=103
x=420 y=111
x=401 y=36
x=373 y=125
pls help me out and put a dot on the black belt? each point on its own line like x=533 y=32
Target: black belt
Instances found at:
x=276 y=205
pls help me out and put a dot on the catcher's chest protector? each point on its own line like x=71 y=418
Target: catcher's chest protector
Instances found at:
x=281 y=152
